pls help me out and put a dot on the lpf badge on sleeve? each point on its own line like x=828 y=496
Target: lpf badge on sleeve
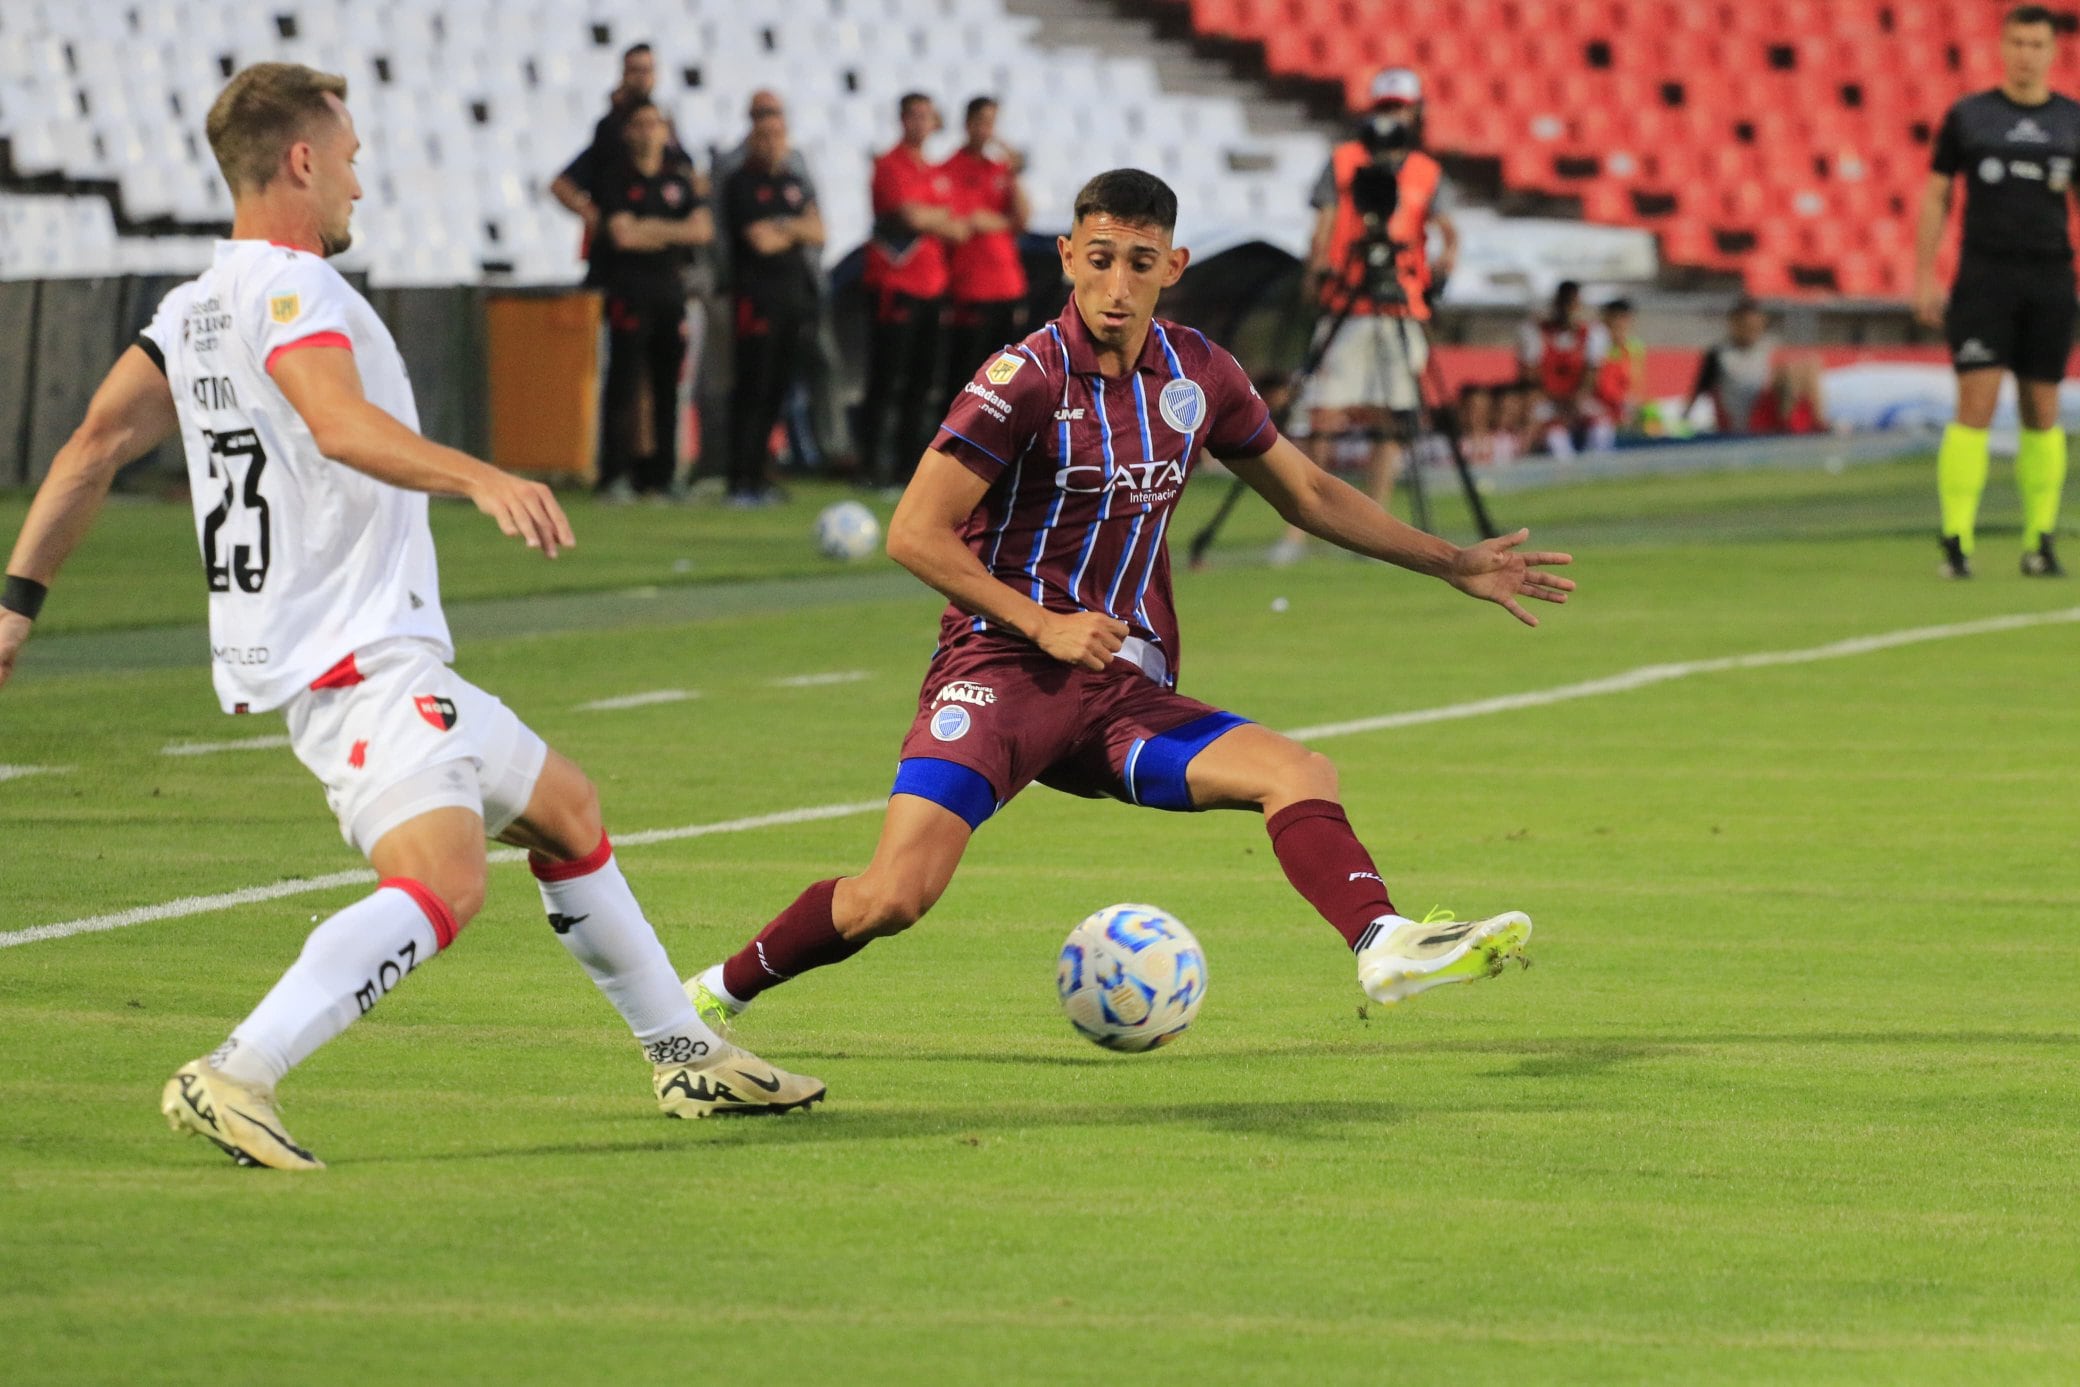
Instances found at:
x=2059 y=176
x=1004 y=368
x=283 y=308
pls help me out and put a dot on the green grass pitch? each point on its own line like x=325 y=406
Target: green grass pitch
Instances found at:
x=1790 y=1094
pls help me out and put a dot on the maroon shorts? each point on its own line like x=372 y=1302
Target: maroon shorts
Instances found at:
x=996 y=715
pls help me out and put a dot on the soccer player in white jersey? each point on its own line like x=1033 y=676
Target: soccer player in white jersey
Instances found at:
x=310 y=482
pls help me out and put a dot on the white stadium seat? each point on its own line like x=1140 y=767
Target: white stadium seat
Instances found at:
x=437 y=180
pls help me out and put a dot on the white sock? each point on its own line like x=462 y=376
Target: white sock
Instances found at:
x=1379 y=929
x=596 y=916
x=349 y=963
x=712 y=980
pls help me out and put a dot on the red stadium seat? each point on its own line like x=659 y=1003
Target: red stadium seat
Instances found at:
x=1793 y=120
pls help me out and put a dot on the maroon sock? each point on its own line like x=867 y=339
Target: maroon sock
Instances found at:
x=801 y=937
x=1327 y=864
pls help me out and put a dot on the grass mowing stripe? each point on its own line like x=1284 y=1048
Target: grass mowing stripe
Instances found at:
x=1642 y=677
x=1647 y=675
x=636 y=700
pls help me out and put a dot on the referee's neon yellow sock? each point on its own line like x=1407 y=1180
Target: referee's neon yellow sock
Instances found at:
x=2040 y=476
x=1960 y=477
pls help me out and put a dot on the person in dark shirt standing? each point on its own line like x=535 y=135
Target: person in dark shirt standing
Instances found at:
x=772 y=218
x=906 y=277
x=579 y=185
x=650 y=218
x=986 y=279
x=2011 y=307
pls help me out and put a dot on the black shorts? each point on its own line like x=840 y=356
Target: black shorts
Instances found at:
x=2012 y=315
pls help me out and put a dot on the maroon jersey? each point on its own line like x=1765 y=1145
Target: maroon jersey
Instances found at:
x=1085 y=471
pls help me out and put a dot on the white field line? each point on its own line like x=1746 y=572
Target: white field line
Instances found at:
x=817 y=681
x=1647 y=675
x=213 y=748
x=637 y=700
x=1643 y=677
x=24 y=772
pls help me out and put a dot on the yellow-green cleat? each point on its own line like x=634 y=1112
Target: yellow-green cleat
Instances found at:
x=716 y=1012
x=1439 y=949
x=241 y=1121
x=729 y=1081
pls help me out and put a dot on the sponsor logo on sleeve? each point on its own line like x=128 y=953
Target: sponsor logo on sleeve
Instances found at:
x=1004 y=368
x=993 y=404
x=951 y=723
x=285 y=308
x=2061 y=175
x=1182 y=405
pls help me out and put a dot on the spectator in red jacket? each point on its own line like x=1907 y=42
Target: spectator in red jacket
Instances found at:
x=907 y=269
x=987 y=280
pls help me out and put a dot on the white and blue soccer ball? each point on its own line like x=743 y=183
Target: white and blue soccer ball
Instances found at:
x=847 y=530
x=1131 y=977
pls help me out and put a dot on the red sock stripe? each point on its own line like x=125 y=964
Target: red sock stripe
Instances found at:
x=437 y=913
x=548 y=869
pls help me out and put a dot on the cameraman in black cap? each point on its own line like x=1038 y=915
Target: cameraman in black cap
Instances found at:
x=1368 y=266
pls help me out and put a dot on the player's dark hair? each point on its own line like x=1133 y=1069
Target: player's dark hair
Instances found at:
x=2031 y=14
x=633 y=49
x=1618 y=305
x=978 y=105
x=909 y=99
x=1133 y=196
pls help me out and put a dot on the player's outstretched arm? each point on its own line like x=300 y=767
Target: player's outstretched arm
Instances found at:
x=131 y=414
x=924 y=536
x=323 y=386
x=1332 y=509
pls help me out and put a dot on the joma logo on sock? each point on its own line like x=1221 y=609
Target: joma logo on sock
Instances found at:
x=387 y=977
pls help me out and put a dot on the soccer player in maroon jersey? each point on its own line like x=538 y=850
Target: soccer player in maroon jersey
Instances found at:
x=1040 y=510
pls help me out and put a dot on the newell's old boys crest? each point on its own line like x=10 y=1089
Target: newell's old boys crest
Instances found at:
x=284 y=308
x=1183 y=405
x=436 y=710
x=1004 y=368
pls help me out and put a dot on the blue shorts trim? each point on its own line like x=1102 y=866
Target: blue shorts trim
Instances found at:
x=948 y=784
x=1155 y=767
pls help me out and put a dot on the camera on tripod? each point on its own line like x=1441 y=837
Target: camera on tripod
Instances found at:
x=1375 y=194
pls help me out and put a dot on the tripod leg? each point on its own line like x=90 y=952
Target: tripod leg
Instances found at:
x=1432 y=378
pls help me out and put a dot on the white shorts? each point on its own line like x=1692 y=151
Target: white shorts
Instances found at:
x=1366 y=368
x=413 y=736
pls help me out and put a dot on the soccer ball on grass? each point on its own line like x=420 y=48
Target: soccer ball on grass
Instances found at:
x=847 y=530
x=1131 y=977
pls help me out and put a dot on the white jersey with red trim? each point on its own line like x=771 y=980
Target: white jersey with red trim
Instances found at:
x=307 y=559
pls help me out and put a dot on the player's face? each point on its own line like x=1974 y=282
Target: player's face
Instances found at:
x=769 y=141
x=1117 y=270
x=982 y=127
x=1747 y=327
x=639 y=73
x=646 y=133
x=334 y=184
x=2026 y=53
x=920 y=121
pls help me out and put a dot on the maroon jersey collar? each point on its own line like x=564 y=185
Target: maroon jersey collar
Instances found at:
x=1083 y=348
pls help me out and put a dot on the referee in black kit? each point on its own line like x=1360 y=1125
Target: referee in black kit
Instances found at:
x=2012 y=307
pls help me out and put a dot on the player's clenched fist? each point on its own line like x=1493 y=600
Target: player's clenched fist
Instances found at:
x=523 y=509
x=1087 y=639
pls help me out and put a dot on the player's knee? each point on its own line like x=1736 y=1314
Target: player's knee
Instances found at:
x=460 y=888
x=1310 y=775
